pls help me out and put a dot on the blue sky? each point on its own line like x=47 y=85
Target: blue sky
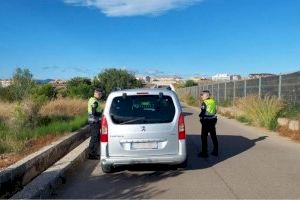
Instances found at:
x=67 y=38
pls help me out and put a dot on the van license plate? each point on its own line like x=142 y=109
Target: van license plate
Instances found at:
x=148 y=145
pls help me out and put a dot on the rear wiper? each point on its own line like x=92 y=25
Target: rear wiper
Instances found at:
x=133 y=120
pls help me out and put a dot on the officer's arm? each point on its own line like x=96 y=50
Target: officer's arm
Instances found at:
x=203 y=110
x=94 y=108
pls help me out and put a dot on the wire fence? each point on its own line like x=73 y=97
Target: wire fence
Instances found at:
x=285 y=87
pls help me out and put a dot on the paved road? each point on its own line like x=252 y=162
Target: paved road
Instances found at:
x=253 y=164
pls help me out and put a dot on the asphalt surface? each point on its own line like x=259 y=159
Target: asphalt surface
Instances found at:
x=253 y=163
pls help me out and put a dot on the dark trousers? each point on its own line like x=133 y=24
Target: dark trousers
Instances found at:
x=95 y=141
x=209 y=126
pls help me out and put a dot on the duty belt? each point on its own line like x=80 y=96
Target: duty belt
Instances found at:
x=93 y=119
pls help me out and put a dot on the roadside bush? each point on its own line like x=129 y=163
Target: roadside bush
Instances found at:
x=190 y=83
x=261 y=111
x=79 y=87
x=189 y=99
x=291 y=111
x=6 y=112
x=44 y=91
x=6 y=94
x=26 y=114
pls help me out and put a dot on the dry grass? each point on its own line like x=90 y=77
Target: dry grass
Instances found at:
x=189 y=99
x=6 y=111
x=64 y=107
x=261 y=111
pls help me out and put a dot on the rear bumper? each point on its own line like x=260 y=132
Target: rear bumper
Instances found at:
x=167 y=159
x=153 y=159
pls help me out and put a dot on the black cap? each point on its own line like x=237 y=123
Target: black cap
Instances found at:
x=205 y=91
x=98 y=90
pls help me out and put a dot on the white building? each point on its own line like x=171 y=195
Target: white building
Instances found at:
x=5 y=82
x=221 y=77
x=235 y=77
x=166 y=80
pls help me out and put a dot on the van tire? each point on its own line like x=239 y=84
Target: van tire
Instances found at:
x=107 y=168
x=183 y=165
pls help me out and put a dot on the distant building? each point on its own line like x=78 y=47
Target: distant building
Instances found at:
x=167 y=80
x=199 y=79
x=235 y=77
x=58 y=83
x=221 y=77
x=260 y=75
x=5 y=82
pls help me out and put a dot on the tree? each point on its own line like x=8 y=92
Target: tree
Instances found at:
x=112 y=78
x=22 y=84
x=47 y=91
x=80 y=87
x=190 y=83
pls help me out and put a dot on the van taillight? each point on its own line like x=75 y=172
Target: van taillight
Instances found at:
x=181 y=127
x=104 y=130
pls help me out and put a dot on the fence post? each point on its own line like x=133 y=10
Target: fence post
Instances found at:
x=212 y=89
x=259 y=87
x=233 y=90
x=245 y=88
x=225 y=92
x=279 y=86
x=218 y=92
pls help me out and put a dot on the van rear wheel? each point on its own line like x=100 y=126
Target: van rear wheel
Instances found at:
x=183 y=165
x=107 y=168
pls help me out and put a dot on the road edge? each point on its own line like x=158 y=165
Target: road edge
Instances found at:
x=44 y=185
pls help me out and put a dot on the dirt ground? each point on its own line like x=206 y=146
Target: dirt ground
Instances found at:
x=31 y=147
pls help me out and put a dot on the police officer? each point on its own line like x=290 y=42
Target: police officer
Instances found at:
x=208 y=120
x=94 y=119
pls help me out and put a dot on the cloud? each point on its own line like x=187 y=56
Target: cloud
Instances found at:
x=118 y=8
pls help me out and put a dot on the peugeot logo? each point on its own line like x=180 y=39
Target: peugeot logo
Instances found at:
x=143 y=128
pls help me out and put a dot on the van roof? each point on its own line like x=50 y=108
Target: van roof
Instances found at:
x=140 y=90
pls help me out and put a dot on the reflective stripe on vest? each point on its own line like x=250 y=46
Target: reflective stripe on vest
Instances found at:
x=211 y=107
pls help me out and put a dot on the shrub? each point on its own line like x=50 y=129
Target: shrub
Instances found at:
x=6 y=111
x=291 y=111
x=26 y=114
x=189 y=99
x=44 y=91
x=190 y=83
x=79 y=87
x=261 y=111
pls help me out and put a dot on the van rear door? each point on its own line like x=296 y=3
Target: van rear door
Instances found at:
x=143 y=125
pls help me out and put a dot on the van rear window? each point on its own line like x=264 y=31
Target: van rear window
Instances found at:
x=145 y=109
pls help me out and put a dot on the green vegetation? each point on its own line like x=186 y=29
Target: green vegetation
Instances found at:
x=291 y=111
x=190 y=83
x=189 y=99
x=29 y=111
x=80 y=87
x=111 y=79
x=12 y=140
x=261 y=111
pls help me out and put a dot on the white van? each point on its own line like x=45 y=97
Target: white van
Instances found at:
x=142 y=126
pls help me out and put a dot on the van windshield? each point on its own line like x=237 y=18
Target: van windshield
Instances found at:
x=146 y=109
